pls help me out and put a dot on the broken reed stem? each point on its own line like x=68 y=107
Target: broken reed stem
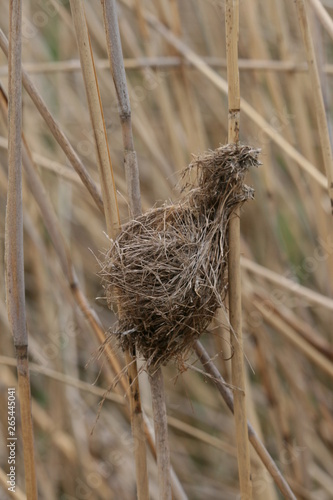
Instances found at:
x=226 y=393
x=323 y=131
x=116 y=61
x=235 y=288
x=14 y=244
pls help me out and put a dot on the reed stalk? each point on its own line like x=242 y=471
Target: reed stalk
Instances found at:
x=292 y=287
x=109 y=194
x=235 y=288
x=248 y=110
x=324 y=135
x=177 y=85
x=133 y=189
x=165 y=62
x=56 y=131
x=116 y=64
x=165 y=472
x=108 y=185
x=14 y=256
x=323 y=16
x=287 y=331
x=161 y=434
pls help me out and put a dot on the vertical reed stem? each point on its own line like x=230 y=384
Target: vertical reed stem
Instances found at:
x=138 y=431
x=161 y=434
x=133 y=190
x=235 y=304
x=115 y=54
x=97 y=118
x=14 y=244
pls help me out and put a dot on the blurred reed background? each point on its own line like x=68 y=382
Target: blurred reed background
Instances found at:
x=178 y=109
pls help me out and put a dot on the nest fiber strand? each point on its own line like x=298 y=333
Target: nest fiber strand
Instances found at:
x=168 y=268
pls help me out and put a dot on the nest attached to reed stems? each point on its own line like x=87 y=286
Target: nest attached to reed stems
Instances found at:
x=167 y=270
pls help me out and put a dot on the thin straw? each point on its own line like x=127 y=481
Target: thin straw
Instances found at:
x=133 y=190
x=15 y=287
x=235 y=287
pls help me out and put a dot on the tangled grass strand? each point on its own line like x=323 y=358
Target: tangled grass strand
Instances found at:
x=168 y=268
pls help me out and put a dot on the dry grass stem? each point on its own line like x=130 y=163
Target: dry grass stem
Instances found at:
x=119 y=78
x=247 y=109
x=15 y=288
x=53 y=166
x=168 y=62
x=287 y=331
x=165 y=102
x=66 y=379
x=161 y=434
x=235 y=287
x=292 y=286
x=52 y=224
x=56 y=131
x=323 y=15
x=111 y=210
x=138 y=427
x=133 y=192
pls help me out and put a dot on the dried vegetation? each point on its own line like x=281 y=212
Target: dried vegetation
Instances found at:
x=175 y=63
x=168 y=268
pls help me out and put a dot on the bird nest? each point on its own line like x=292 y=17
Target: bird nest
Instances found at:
x=167 y=269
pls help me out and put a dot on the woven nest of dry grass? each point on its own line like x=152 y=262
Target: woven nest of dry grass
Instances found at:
x=167 y=269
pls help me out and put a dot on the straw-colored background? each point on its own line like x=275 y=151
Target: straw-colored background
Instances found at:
x=287 y=266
